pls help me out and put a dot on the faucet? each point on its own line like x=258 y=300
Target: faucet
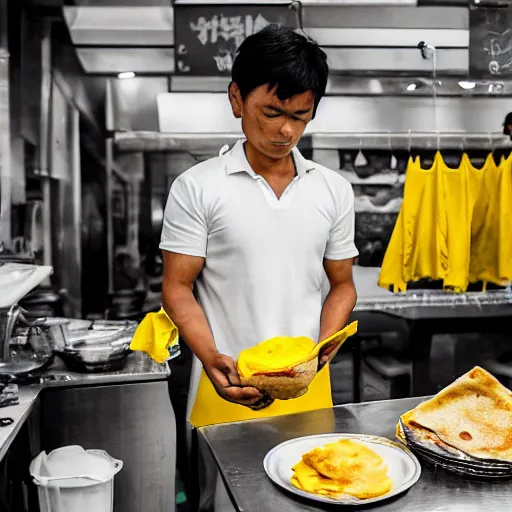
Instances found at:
x=9 y=317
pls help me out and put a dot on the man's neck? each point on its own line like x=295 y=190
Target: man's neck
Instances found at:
x=265 y=166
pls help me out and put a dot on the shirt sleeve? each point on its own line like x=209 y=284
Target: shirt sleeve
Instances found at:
x=341 y=244
x=184 y=229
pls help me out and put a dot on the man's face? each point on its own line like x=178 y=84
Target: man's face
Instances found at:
x=273 y=127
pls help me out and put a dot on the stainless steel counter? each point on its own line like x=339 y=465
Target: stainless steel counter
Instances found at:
x=19 y=413
x=139 y=368
x=239 y=449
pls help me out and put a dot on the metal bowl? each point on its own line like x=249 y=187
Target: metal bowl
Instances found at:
x=97 y=352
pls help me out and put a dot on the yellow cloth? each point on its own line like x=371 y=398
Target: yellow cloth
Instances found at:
x=418 y=245
x=155 y=335
x=210 y=409
x=494 y=247
x=454 y=226
x=483 y=223
x=505 y=222
x=461 y=189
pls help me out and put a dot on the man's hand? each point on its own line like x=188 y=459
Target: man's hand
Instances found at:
x=222 y=372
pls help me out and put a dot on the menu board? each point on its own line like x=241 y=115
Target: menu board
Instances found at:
x=490 y=42
x=208 y=35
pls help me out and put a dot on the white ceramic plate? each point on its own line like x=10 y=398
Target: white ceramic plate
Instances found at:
x=403 y=467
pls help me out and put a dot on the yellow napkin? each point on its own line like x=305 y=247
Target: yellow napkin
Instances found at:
x=155 y=335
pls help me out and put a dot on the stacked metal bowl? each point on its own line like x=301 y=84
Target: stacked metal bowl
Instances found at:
x=102 y=347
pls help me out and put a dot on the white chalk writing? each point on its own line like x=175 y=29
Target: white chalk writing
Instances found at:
x=227 y=28
x=224 y=62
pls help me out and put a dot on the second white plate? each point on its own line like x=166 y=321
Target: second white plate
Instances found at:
x=403 y=467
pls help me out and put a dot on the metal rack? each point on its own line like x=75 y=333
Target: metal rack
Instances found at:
x=411 y=140
x=210 y=144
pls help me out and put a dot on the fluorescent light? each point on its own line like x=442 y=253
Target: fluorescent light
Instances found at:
x=126 y=74
x=467 y=85
x=411 y=87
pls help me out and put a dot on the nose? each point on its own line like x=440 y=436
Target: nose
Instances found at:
x=287 y=129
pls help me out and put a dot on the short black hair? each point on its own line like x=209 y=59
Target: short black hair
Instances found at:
x=279 y=56
x=506 y=123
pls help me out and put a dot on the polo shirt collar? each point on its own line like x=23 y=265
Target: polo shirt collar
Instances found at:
x=237 y=161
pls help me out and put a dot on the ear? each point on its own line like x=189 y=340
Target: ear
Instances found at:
x=235 y=98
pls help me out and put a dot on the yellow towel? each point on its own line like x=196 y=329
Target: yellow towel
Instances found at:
x=155 y=335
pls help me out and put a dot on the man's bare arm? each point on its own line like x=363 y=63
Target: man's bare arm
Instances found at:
x=180 y=273
x=341 y=298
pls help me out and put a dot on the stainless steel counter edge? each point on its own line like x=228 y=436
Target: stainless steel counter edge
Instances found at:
x=139 y=368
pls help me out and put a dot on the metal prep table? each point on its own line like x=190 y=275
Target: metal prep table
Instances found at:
x=426 y=321
x=239 y=449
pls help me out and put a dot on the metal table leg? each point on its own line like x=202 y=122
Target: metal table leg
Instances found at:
x=421 y=344
x=356 y=368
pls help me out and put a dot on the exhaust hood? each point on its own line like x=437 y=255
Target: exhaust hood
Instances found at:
x=358 y=40
x=120 y=26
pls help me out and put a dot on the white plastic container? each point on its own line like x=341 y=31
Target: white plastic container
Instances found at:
x=71 y=479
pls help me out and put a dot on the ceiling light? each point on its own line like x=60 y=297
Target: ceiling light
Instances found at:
x=411 y=87
x=126 y=74
x=467 y=85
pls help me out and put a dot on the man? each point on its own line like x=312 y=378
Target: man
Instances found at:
x=507 y=125
x=256 y=230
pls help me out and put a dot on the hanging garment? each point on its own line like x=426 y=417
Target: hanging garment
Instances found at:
x=482 y=183
x=492 y=249
x=418 y=246
x=461 y=188
x=505 y=222
x=391 y=272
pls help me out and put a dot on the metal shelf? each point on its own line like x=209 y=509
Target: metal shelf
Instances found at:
x=208 y=144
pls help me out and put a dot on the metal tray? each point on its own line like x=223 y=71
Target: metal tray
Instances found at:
x=455 y=460
x=404 y=468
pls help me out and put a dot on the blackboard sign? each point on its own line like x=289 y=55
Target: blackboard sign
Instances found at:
x=490 y=42
x=208 y=35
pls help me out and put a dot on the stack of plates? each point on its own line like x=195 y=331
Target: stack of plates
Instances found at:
x=454 y=460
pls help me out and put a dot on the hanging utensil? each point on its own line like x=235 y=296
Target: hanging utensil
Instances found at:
x=393 y=164
x=360 y=160
x=425 y=49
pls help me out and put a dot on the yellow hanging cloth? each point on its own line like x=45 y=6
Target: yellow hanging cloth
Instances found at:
x=426 y=252
x=461 y=188
x=391 y=275
x=505 y=222
x=155 y=335
x=418 y=245
x=482 y=183
x=492 y=249
x=391 y=272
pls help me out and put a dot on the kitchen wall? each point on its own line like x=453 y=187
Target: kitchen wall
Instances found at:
x=210 y=113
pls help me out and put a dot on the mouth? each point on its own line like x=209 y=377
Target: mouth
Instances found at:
x=281 y=144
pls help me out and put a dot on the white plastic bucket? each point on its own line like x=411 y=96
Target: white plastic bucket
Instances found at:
x=71 y=479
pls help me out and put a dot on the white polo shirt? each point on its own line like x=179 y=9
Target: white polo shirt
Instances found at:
x=263 y=270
